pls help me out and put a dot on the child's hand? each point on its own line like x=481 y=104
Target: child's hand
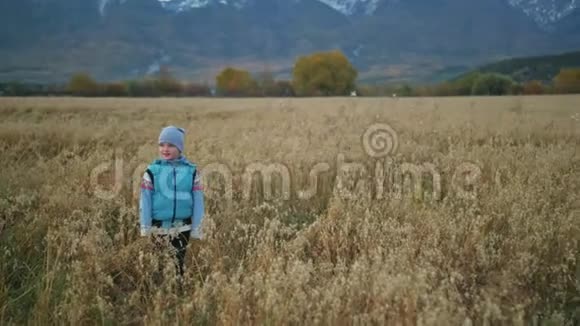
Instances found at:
x=145 y=232
x=195 y=234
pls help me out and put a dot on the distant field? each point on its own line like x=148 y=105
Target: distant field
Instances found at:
x=409 y=211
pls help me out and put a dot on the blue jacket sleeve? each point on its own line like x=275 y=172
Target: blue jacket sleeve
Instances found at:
x=198 y=207
x=145 y=205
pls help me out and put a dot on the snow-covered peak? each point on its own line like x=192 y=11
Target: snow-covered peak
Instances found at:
x=546 y=12
x=543 y=12
x=103 y=5
x=351 y=7
x=346 y=7
x=183 y=5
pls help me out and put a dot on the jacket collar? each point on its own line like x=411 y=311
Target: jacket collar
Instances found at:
x=181 y=160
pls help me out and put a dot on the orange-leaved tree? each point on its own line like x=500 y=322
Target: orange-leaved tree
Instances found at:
x=82 y=84
x=235 y=82
x=568 y=81
x=533 y=87
x=323 y=74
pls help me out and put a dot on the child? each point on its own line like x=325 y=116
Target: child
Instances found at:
x=172 y=201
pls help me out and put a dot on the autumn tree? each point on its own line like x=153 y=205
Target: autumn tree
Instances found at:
x=568 y=81
x=533 y=87
x=82 y=84
x=235 y=82
x=323 y=74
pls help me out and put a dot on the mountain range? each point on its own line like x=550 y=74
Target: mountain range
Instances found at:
x=420 y=40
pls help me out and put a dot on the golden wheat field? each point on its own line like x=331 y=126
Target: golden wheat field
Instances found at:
x=339 y=211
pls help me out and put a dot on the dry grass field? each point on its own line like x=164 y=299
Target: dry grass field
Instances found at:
x=465 y=212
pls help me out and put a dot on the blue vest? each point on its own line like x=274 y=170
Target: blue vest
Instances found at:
x=172 y=198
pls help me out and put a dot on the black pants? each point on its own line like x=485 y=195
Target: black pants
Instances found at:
x=179 y=243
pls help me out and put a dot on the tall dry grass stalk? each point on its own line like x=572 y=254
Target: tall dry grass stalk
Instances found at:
x=505 y=256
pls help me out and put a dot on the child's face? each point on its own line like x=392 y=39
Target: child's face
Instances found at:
x=168 y=151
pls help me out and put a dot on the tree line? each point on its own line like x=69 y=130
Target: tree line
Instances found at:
x=318 y=74
x=567 y=81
